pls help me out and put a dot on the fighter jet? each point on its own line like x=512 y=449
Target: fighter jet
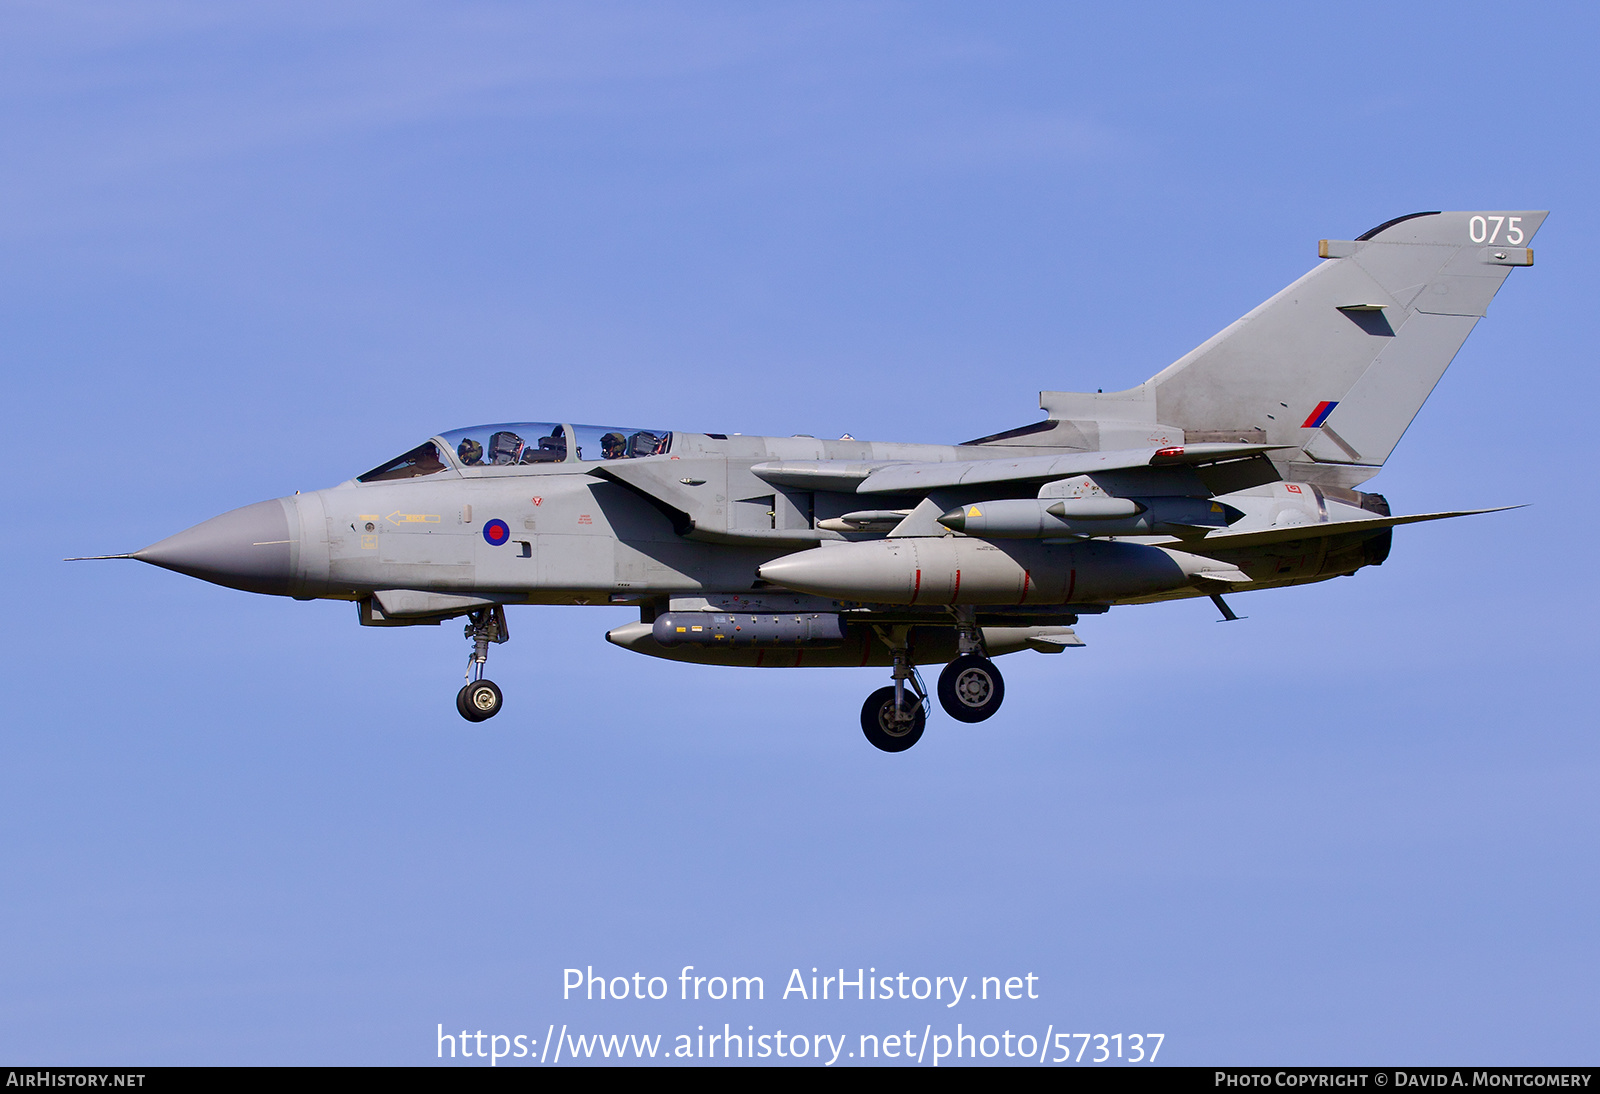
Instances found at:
x=1232 y=470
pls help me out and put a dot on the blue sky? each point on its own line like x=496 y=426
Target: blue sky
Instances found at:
x=259 y=248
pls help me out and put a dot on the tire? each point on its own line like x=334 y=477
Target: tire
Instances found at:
x=971 y=688
x=479 y=701
x=878 y=724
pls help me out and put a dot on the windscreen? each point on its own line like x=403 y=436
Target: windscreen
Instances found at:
x=421 y=460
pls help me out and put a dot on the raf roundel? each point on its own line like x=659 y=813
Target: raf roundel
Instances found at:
x=496 y=532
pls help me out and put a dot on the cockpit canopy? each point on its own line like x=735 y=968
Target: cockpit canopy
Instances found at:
x=514 y=443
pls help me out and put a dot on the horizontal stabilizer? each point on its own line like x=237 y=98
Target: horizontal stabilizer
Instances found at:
x=1228 y=541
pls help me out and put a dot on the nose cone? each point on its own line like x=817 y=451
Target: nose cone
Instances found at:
x=249 y=548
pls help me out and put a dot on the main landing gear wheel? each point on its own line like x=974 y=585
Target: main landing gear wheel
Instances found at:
x=478 y=701
x=889 y=729
x=971 y=688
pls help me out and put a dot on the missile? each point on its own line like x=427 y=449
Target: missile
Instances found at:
x=866 y=520
x=1042 y=518
x=945 y=570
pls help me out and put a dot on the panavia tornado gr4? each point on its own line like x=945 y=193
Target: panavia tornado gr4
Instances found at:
x=1234 y=469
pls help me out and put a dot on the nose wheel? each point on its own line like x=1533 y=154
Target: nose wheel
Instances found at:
x=480 y=699
x=971 y=688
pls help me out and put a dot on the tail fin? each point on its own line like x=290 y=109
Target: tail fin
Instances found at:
x=1339 y=362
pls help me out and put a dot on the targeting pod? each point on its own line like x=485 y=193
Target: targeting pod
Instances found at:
x=764 y=629
x=1042 y=518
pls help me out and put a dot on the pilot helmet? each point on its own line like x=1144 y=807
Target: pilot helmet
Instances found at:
x=470 y=451
x=613 y=445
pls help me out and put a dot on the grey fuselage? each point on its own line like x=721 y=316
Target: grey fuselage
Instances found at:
x=579 y=532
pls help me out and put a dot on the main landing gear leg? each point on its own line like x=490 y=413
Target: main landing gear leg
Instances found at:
x=894 y=717
x=970 y=687
x=480 y=698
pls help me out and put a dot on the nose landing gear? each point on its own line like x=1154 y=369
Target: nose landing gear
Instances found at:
x=480 y=699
